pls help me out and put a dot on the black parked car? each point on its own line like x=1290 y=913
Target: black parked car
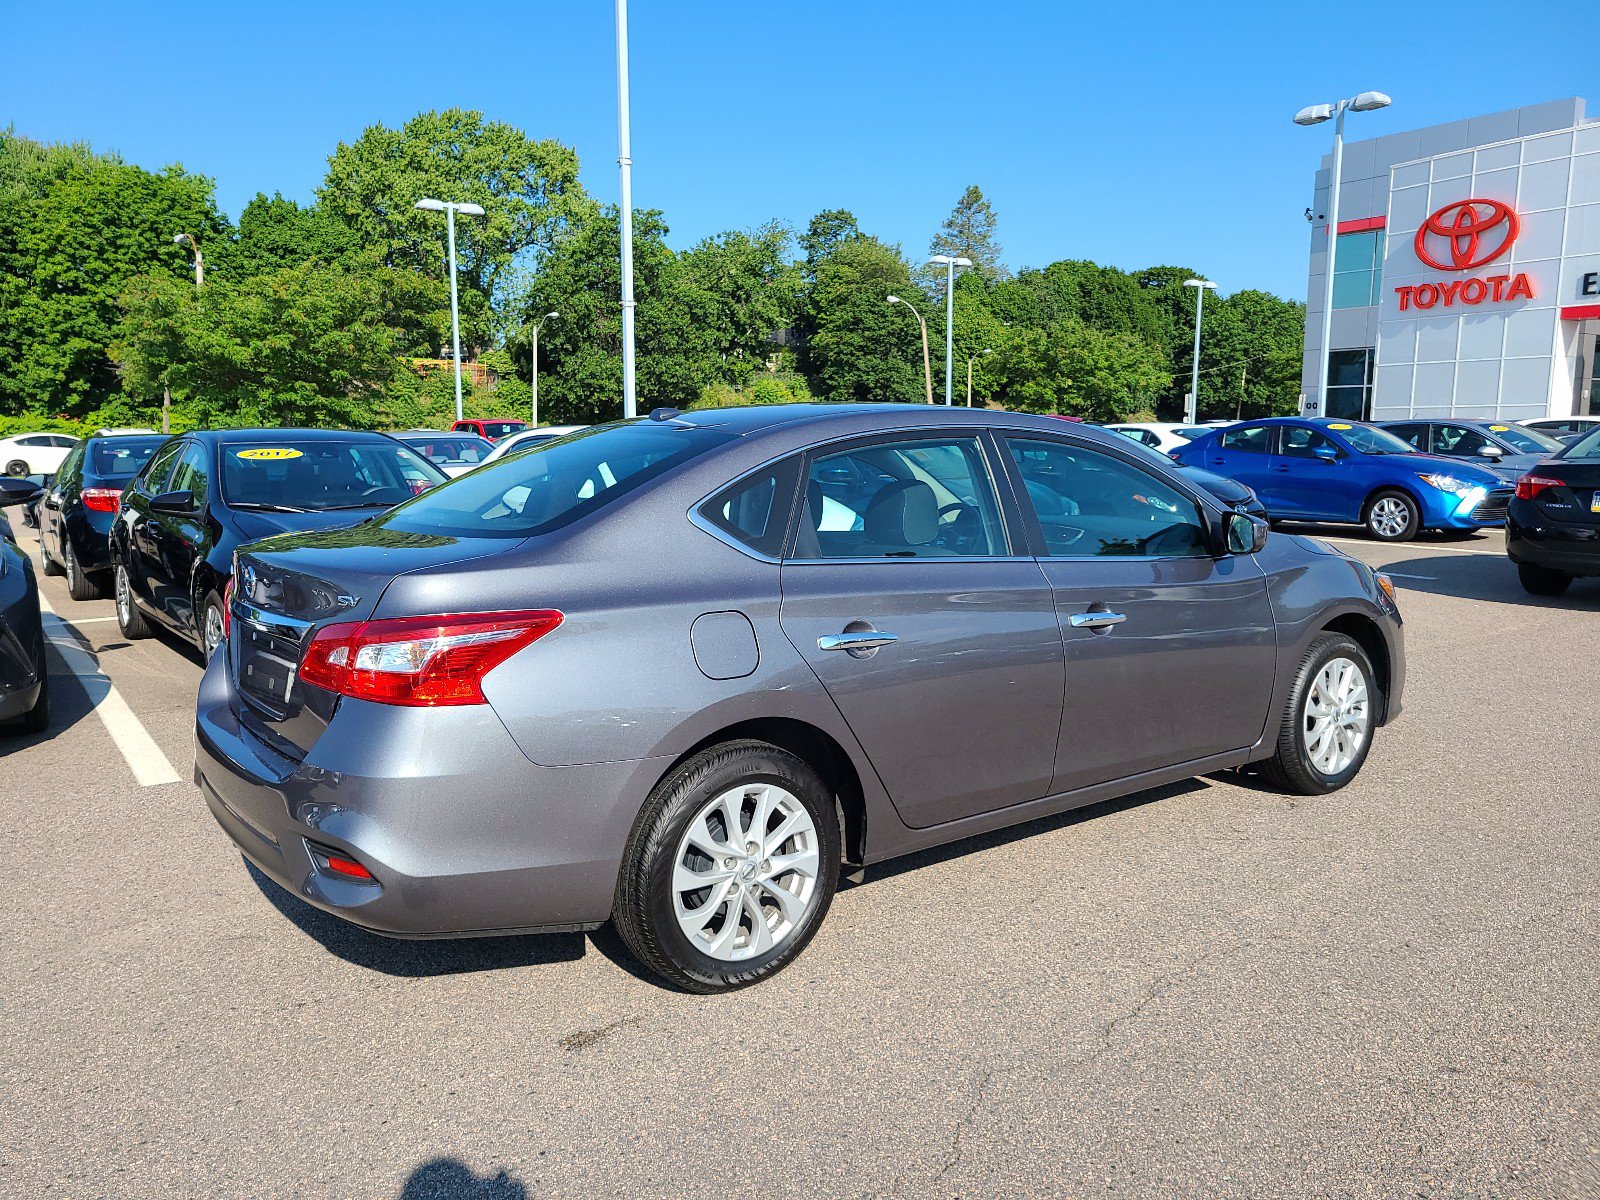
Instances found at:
x=24 y=678
x=1553 y=522
x=203 y=495
x=79 y=507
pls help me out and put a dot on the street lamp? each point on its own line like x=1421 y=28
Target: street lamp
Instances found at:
x=1316 y=114
x=1200 y=287
x=630 y=397
x=450 y=209
x=949 y=263
x=533 y=373
x=199 y=259
x=970 y=361
x=927 y=366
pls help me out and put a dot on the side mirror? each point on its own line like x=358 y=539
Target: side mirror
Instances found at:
x=17 y=491
x=1491 y=452
x=174 y=504
x=1246 y=534
x=1326 y=453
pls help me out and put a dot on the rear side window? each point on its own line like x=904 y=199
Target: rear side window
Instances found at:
x=755 y=511
x=1252 y=439
x=1414 y=435
x=556 y=483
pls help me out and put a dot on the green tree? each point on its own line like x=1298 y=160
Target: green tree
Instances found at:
x=969 y=232
x=274 y=232
x=302 y=344
x=1075 y=369
x=856 y=345
x=529 y=189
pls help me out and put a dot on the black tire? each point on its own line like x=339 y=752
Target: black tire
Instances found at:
x=79 y=585
x=644 y=911
x=1542 y=581
x=1378 y=508
x=1291 y=767
x=129 y=619
x=211 y=604
x=16 y=468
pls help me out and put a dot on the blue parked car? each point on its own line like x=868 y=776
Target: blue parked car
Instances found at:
x=1349 y=472
x=1510 y=451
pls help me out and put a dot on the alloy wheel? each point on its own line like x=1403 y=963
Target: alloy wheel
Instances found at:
x=745 y=873
x=1338 y=716
x=1390 y=517
x=212 y=634
x=124 y=600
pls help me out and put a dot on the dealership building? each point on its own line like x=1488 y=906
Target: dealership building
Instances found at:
x=1466 y=271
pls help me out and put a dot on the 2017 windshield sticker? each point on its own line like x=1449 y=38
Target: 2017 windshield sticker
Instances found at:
x=1341 y=426
x=269 y=453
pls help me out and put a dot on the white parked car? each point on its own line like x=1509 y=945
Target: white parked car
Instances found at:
x=453 y=453
x=531 y=437
x=125 y=430
x=34 y=453
x=1160 y=435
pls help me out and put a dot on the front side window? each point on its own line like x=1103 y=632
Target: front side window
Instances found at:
x=1252 y=439
x=1300 y=442
x=155 y=473
x=1413 y=435
x=918 y=498
x=1458 y=441
x=191 y=473
x=1093 y=505
x=322 y=475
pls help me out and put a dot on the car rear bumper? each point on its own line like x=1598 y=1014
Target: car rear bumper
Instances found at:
x=1534 y=539
x=463 y=835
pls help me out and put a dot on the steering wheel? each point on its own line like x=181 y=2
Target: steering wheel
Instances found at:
x=962 y=533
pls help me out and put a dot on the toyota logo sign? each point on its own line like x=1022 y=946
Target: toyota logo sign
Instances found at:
x=1469 y=233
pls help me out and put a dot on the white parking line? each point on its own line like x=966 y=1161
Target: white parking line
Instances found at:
x=138 y=749
x=1411 y=546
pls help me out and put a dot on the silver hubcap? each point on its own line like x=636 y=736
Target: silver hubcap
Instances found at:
x=72 y=568
x=1337 y=716
x=213 y=634
x=123 y=602
x=1390 y=517
x=745 y=874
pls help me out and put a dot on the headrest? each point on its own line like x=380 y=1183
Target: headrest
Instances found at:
x=905 y=513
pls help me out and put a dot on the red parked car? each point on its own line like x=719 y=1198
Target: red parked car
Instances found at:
x=493 y=428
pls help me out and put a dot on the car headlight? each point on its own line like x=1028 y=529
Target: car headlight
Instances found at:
x=1445 y=483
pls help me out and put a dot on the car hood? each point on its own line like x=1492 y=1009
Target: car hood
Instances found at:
x=1437 y=464
x=1230 y=491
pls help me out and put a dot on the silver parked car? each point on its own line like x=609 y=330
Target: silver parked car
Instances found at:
x=673 y=672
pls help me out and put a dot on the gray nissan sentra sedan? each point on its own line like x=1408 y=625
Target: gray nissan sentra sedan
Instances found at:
x=678 y=672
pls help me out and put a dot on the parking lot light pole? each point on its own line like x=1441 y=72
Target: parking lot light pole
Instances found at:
x=533 y=371
x=970 y=360
x=450 y=209
x=1316 y=114
x=1200 y=287
x=630 y=394
x=199 y=259
x=949 y=263
x=927 y=365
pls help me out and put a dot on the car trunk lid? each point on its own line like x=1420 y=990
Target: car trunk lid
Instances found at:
x=1577 y=500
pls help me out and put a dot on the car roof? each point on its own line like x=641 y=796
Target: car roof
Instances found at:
x=224 y=436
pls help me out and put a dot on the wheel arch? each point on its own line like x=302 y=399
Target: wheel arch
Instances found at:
x=1409 y=493
x=820 y=750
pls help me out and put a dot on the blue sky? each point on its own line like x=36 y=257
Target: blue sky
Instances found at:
x=1132 y=134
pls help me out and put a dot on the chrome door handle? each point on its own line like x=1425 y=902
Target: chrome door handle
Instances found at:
x=866 y=639
x=1096 y=620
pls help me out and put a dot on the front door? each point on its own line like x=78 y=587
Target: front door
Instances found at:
x=938 y=645
x=1315 y=477
x=1170 y=649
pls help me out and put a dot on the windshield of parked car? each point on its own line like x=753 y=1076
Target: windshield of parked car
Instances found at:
x=554 y=483
x=1369 y=439
x=499 y=429
x=1587 y=446
x=323 y=476
x=1524 y=441
x=121 y=458
x=454 y=449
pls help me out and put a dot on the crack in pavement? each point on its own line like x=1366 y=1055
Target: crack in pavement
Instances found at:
x=1159 y=987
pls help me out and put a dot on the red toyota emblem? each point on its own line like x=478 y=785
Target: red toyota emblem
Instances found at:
x=1469 y=229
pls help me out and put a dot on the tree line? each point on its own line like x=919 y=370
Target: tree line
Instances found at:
x=319 y=313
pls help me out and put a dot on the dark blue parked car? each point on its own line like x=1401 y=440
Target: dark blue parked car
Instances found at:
x=79 y=508
x=1510 y=451
x=1349 y=472
x=24 y=678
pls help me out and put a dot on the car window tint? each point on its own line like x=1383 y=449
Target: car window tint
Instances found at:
x=1414 y=434
x=155 y=474
x=918 y=498
x=1095 y=505
x=191 y=473
x=1299 y=442
x=453 y=450
x=121 y=457
x=321 y=476
x=1250 y=438
x=755 y=510
x=1458 y=441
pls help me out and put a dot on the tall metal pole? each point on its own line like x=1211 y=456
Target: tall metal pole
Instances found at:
x=949 y=324
x=1194 y=374
x=630 y=400
x=1327 y=266
x=455 y=305
x=533 y=379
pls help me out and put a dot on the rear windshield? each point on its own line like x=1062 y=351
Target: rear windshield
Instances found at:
x=1191 y=431
x=457 y=449
x=554 y=483
x=123 y=457
x=322 y=476
x=499 y=429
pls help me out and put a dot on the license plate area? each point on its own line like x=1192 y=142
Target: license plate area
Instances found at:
x=267 y=662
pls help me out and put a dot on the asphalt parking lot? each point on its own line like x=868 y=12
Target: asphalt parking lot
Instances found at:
x=1208 y=990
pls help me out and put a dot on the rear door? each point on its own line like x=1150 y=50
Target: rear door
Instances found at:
x=1244 y=452
x=184 y=539
x=934 y=636
x=1170 y=649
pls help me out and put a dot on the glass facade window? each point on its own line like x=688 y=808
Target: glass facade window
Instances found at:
x=1357 y=268
x=1350 y=384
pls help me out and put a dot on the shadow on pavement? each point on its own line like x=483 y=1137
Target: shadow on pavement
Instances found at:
x=1491 y=578
x=452 y=1179
x=417 y=959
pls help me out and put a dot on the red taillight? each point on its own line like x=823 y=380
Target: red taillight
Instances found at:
x=1530 y=486
x=420 y=661
x=101 y=499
